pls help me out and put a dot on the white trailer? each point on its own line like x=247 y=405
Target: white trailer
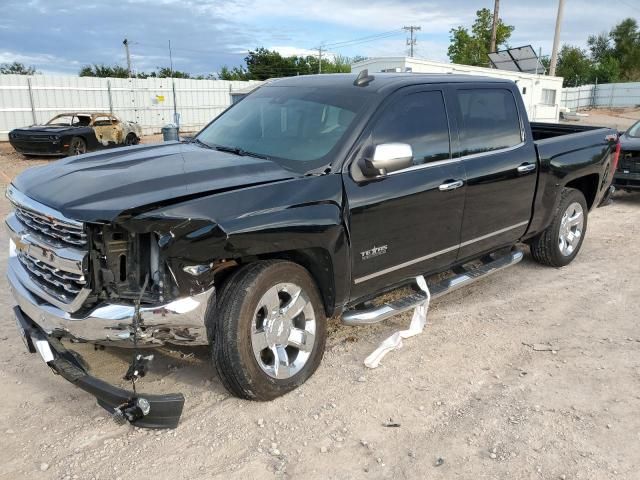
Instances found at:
x=541 y=93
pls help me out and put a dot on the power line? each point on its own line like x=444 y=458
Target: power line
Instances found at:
x=367 y=38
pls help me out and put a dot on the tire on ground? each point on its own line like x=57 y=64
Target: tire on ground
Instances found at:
x=77 y=146
x=545 y=248
x=229 y=320
x=131 y=139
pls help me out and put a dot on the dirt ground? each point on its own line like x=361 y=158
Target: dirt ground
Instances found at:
x=620 y=118
x=472 y=397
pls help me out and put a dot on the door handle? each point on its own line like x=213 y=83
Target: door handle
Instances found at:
x=445 y=187
x=526 y=168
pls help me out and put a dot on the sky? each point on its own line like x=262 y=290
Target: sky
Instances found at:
x=60 y=36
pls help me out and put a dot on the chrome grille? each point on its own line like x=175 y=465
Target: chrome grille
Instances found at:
x=52 y=228
x=630 y=161
x=51 y=249
x=65 y=286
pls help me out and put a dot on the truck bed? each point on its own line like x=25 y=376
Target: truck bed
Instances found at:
x=575 y=142
x=544 y=131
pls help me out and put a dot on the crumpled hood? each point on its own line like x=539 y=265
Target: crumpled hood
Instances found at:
x=101 y=186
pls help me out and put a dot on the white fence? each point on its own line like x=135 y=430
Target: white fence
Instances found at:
x=610 y=95
x=28 y=100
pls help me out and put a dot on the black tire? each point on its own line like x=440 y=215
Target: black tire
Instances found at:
x=229 y=324
x=131 y=139
x=77 y=146
x=545 y=248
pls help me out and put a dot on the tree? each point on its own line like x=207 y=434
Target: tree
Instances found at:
x=626 y=46
x=574 y=65
x=104 y=71
x=17 y=68
x=472 y=48
x=166 y=72
x=117 y=71
x=262 y=64
x=612 y=57
x=236 y=73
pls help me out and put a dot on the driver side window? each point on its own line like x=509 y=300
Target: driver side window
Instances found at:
x=419 y=119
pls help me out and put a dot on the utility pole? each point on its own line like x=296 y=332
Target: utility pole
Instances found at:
x=412 y=41
x=494 y=28
x=320 y=59
x=173 y=87
x=126 y=49
x=556 y=40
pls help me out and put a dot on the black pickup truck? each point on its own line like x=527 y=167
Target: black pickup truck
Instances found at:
x=309 y=198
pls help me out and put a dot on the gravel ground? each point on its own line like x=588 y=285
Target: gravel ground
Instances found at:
x=620 y=118
x=472 y=396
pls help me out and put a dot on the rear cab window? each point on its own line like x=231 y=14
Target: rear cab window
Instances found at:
x=488 y=120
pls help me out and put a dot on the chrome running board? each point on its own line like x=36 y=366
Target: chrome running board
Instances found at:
x=382 y=312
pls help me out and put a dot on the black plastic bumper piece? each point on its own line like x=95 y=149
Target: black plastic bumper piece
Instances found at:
x=165 y=410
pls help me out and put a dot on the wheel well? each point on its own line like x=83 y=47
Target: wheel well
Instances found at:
x=318 y=262
x=588 y=185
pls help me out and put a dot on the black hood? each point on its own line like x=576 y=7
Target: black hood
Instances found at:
x=101 y=186
x=45 y=129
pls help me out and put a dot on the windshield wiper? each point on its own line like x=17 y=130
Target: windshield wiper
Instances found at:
x=240 y=151
x=200 y=142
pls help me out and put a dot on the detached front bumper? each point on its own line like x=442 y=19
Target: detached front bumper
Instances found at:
x=162 y=411
x=180 y=322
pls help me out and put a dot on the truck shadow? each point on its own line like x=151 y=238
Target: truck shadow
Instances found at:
x=173 y=368
x=627 y=198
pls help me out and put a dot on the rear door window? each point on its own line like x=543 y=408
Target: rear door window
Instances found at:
x=489 y=120
x=419 y=119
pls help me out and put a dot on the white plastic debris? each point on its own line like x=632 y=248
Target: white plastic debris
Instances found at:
x=418 y=321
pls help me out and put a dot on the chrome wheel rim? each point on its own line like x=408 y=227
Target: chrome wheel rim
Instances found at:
x=283 y=330
x=78 y=148
x=571 y=227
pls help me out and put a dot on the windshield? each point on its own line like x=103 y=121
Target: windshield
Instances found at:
x=297 y=126
x=70 y=121
x=634 y=131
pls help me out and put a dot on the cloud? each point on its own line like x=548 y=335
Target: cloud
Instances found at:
x=61 y=36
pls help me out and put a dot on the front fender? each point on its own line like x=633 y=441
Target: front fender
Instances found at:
x=299 y=219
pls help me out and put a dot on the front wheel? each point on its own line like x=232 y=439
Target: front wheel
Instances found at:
x=560 y=243
x=77 y=146
x=267 y=329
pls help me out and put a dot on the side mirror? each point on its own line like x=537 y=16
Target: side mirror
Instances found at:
x=387 y=158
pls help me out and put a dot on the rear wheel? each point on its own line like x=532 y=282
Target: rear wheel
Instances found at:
x=131 y=139
x=77 y=146
x=268 y=330
x=560 y=243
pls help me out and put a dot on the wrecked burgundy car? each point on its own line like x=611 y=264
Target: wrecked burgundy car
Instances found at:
x=310 y=198
x=75 y=134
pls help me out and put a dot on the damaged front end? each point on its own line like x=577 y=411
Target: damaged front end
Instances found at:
x=109 y=285
x=149 y=411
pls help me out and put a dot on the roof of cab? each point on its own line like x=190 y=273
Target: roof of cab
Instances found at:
x=381 y=81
